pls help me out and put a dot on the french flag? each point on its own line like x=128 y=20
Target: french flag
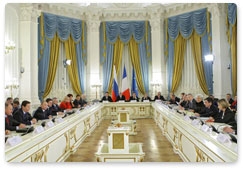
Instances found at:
x=125 y=88
x=115 y=91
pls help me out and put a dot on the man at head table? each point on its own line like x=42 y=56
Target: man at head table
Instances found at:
x=159 y=97
x=23 y=115
x=106 y=97
x=120 y=97
x=134 y=97
x=146 y=97
x=10 y=123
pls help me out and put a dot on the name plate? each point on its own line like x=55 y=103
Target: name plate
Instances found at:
x=195 y=122
x=12 y=141
x=187 y=118
x=59 y=120
x=50 y=124
x=157 y=100
x=105 y=101
x=146 y=101
x=121 y=101
x=223 y=138
x=205 y=128
x=133 y=100
x=39 y=129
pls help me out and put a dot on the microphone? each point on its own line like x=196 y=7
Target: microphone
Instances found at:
x=27 y=131
x=202 y=122
x=43 y=124
x=214 y=129
x=233 y=138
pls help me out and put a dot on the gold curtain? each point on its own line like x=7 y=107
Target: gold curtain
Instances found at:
x=179 y=51
x=134 y=54
x=72 y=69
x=233 y=47
x=54 y=53
x=197 y=55
x=117 y=59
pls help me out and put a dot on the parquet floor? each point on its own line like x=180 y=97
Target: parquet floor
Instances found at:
x=156 y=147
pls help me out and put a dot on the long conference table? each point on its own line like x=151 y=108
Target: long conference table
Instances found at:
x=58 y=141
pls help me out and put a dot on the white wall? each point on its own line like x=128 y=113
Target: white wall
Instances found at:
x=155 y=14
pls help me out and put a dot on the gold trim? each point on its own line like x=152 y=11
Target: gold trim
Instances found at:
x=120 y=158
x=118 y=141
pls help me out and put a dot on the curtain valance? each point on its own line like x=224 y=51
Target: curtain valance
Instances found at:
x=185 y=24
x=125 y=30
x=232 y=13
x=64 y=26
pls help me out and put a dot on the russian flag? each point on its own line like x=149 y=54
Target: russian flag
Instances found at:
x=125 y=88
x=115 y=91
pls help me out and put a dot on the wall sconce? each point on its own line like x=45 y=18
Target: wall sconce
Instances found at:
x=9 y=45
x=66 y=62
x=209 y=58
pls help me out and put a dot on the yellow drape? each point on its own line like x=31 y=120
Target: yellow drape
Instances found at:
x=117 y=59
x=54 y=53
x=134 y=54
x=179 y=51
x=233 y=47
x=72 y=69
x=197 y=55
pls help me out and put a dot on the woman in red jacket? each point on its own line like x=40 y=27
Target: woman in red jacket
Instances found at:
x=65 y=104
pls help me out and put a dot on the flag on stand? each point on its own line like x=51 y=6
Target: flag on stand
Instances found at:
x=115 y=91
x=134 y=83
x=125 y=88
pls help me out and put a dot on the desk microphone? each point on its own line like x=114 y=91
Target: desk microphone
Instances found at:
x=214 y=129
x=27 y=131
x=233 y=138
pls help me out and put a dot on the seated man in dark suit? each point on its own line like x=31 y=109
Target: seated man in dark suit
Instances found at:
x=83 y=100
x=159 y=97
x=209 y=110
x=42 y=112
x=134 y=97
x=23 y=115
x=15 y=106
x=10 y=123
x=120 y=97
x=146 y=97
x=55 y=106
x=106 y=97
x=174 y=99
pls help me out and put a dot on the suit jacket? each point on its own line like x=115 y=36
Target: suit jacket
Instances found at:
x=55 y=109
x=11 y=123
x=190 y=105
x=106 y=99
x=77 y=103
x=228 y=117
x=198 y=107
x=207 y=112
x=83 y=102
x=146 y=98
x=120 y=98
x=23 y=118
x=137 y=99
x=41 y=115
x=161 y=98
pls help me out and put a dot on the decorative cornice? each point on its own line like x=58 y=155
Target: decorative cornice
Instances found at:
x=93 y=25
x=29 y=13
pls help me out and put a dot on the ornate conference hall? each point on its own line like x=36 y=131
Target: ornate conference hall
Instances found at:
x=120 y=82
